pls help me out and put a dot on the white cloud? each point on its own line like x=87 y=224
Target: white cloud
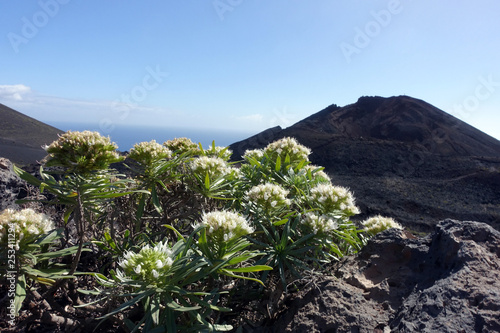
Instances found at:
x=14 y=92
x=67 y=110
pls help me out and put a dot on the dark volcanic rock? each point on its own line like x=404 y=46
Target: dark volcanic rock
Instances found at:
x=447 y=281
x=11 y=186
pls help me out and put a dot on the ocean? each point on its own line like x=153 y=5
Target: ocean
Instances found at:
x=126 y=136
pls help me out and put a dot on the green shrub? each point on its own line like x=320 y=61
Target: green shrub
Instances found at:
x=269 y=220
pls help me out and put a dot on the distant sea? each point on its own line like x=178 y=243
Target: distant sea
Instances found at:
x=126 y=136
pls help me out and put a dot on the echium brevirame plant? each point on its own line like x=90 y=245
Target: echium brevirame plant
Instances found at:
x=82 y=152
x=156 y=166
x=170 y=282
x=146 y=153
x=374 y=225
x=301 y=219
x=332 y=199
x=212 y=176
x=181 y=146
x=288 y=148
x=274 y=161
x=223 y=243
x=27 y=248
x=85 y=182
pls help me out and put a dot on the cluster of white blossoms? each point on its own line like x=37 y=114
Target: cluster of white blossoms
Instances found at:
x=149 y=264
x=268 y=196
x=222 y=226
x=376 y=224
x=319 y=224
x=214 y=166
x=288 y=146
x=82 y=150
x=181 y=145
x=332 y=199
x=256 y=154
x=148 y=152
x=25 y=225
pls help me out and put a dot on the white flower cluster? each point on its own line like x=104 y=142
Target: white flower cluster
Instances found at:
x=25 y=224
x=148 y=152
x=376 y=224
x=268 y=196
x=288 y=146
x=86 y=150
x=332 y=198
x=181 y=145
x=76 y=138
x=149 y=264
x=319 y=224
x=225 y=225
x=256 y=154
x=215 y=166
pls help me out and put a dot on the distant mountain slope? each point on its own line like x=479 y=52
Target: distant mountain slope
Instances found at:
x=22 y=137
x=396 y=119
x=402 y=157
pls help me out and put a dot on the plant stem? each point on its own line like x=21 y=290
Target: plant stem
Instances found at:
x=80 y=223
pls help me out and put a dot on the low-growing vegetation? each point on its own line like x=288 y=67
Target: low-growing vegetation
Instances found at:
x=179 y=240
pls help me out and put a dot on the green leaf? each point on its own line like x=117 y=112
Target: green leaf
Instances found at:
x=60 y=253
x=207 y=181
x=256 y=268
x=46 y=281
x=176 y=307
x=156 y=200
x=110 y=241
x=301 y=165
x=278 y=164
x=26 y=176
x=225 y=272
x=281 y=222
x=50 y=237
x=51 y=273
x=155 y=311
x=128 y=304
x=20 y=293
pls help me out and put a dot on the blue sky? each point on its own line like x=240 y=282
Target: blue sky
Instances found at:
x=244 y=65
